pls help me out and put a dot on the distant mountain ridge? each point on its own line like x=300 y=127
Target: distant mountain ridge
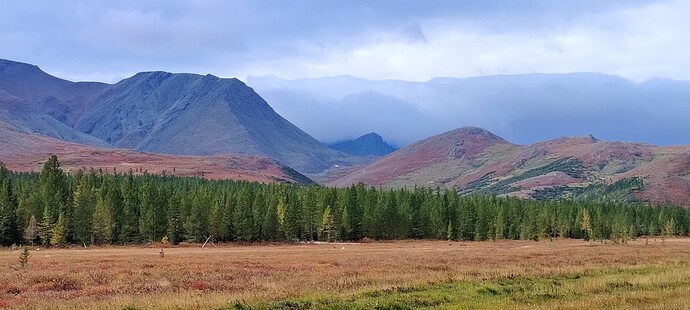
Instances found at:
x=371 y=144
x=523 y=108
x=474 y=160
x=184 y=114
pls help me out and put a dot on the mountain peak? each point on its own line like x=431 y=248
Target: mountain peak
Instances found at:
x=372 y=136
x=473 y=131
x=371 y=144
x=5 y=64
x=474 y=135
x=14 y=70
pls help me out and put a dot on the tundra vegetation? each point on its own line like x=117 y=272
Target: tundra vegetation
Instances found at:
x=633 y=255
x=407 y=274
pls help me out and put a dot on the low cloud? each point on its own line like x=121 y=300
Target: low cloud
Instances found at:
x=521 y=108
x=410 y=40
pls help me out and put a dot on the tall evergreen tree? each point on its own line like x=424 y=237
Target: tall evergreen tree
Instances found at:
x=175 y=230
x=54 y=192
x=269 y=228
x=10 y=232
x=310 y=216
x=244 y=216
x=84 y=206
x=129 y=231
x=258 y=211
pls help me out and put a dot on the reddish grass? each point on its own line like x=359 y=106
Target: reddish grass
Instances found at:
x=195 y=278
x=27 y=152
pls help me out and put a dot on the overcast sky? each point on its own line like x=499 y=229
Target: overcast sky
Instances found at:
x=408 y=40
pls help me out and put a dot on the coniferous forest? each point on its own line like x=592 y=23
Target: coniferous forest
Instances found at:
x=91 y=207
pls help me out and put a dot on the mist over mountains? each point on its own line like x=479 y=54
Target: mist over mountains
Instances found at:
x=370 y=144
x=523 y=108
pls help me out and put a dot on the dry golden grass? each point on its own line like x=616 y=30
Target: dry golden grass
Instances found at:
x=216 y=277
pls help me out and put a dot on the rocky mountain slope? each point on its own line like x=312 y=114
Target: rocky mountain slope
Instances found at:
x=26 y=152
x=184 y=114
x=473 y=160
x=30 y=100
x=371 y=144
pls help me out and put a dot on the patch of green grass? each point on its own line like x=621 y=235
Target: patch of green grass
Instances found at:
x=636 y=287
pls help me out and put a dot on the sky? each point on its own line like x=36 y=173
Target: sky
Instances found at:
x=406 y=39
x=401 y=40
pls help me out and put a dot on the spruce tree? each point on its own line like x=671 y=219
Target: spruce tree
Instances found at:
x=244 y=216
x=175 y=230
x=9 y=227
x=269 y=227
x=130 y=210
x=291 y=216
x=84 y=205
x=310 y=214
x=258 y=211
x=54 y=192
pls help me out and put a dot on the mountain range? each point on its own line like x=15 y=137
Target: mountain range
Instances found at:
x=474 y=160
x=202 y=125
x=183 y=114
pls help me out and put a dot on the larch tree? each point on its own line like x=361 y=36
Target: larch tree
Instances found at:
x=31 y=231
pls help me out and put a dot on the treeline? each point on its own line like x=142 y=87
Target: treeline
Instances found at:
x=89 y=207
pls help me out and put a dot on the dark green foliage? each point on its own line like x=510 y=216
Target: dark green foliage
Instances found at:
x=300 y=178
x=10 y=232
x=84 y=204
x=55 y=192
x=619 y=191
x=124 y=208
x=130 y=210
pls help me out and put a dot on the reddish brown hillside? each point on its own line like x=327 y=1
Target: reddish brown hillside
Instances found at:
x=466 y=143
x=474 y=160
x=26 y=152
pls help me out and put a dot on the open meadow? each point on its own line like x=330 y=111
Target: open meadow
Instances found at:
x=563 y=274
